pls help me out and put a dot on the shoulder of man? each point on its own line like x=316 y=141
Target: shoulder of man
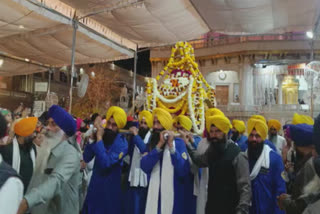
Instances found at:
x=121 y=138
x=63 y=148
x=281 y=138
x=179 y=143
x=232 y=150
x=276 y=161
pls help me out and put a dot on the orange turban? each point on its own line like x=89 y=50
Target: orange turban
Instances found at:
x=25 y=126
x=275 y=124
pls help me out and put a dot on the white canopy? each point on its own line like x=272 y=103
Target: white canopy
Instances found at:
x=154 y=22
x=259 y=16
x=45 y=37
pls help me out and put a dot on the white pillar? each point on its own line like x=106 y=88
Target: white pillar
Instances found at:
x=280 y=80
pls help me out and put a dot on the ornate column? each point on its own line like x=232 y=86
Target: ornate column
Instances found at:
x=280 y=81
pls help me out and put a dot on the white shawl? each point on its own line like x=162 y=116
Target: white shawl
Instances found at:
x=201 y=185
x=136 y=176
x=263 y=161
x=166 y=188
x=16 y=156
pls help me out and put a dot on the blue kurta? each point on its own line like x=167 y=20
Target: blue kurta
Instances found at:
x=267 y=186
x=181 y=165
x=104 y=191
x=244 y=146
x=136 y=196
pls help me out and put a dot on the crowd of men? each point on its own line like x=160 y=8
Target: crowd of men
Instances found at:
x=113 y=164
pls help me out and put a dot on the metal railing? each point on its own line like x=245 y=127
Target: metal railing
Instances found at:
x=278 y=110
x=212 y=40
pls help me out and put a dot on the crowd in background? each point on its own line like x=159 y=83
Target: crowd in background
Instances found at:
x=153 y=163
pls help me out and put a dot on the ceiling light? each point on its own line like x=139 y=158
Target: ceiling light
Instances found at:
x=27 y=60
x=309 y=34
x=81 y=71
x=1 y=62
x=21 y=26
x=93 y=74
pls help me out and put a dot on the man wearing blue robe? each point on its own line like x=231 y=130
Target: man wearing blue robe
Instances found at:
x=237 y=133
x=266 y=171
x=109 y=148
x=244 y=146
x=166 y=165
x=183 y=125
x=138 y=182
x=305 y=191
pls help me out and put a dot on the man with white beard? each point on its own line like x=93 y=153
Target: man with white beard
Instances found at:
x=56 y=178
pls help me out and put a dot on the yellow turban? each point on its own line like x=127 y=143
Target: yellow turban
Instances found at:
x=164 y=117
x=275 y=124
x=185 y=122
x=212 y=112
x=239 y=126
x=25 y=126
x=219 y=121
x=147 y=116
x=259 y=117
x=260 y=126
x=119 y=116
x=300 y=119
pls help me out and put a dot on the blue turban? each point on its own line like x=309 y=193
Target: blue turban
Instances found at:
x=63 y=119
x=301 y=134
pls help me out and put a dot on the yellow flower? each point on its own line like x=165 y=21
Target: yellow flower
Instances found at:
x=158 y=77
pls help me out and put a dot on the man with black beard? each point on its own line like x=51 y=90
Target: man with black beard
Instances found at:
x=166 y=165
x=266 y=170
x=21 y=152
x=238 y=130
x=229 y=189
x=138 y=182
x=108 y=148
x=306 y=186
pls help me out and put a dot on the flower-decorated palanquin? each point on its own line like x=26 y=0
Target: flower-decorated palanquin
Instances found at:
x=182 y=88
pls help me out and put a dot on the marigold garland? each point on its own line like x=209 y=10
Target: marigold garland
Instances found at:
x=186 y=92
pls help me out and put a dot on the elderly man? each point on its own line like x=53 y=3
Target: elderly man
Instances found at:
x=278 y=141
x=21 y=153
x=166 y=165
x=229 y=188
x=109 y=148
x=266 y=170
x=11 y=186
x=238 y=130
x=137 y=193
x=306 y=186
x=55 y=183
